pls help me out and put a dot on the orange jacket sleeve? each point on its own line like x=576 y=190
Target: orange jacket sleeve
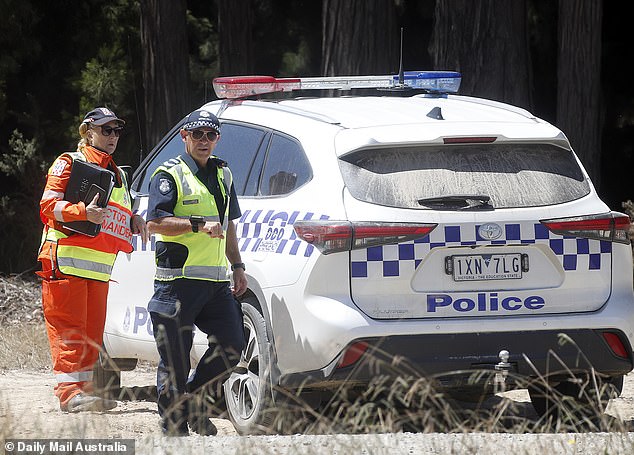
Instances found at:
x=53 y=206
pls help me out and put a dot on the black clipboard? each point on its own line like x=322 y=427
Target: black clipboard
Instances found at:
x=86 y=180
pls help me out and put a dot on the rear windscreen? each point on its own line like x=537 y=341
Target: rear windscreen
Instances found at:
x=512 y=175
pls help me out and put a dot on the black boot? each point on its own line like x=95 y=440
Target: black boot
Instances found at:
x=173 y=414
x=198 y=413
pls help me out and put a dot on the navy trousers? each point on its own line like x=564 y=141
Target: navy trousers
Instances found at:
x=175 y=308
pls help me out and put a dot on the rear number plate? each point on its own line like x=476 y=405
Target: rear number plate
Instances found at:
x=486 y=267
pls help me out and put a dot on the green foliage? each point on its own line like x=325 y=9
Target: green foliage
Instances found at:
x=296 y=63
x=108 y=78
x=23 y=153
x=24 y=167
x=203 y=57
x=104 y=81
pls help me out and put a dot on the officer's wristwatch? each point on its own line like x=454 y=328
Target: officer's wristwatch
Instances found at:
x=195 y=221
x=238 y=265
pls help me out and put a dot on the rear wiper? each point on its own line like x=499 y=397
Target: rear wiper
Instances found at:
x=458 y=202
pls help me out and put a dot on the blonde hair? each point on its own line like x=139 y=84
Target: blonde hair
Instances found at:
x=83 y=133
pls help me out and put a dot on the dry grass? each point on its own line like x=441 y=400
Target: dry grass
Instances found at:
x=23 y=341
x=406 y=404
x=24 y=346
x=20 y=300
x=417 y=405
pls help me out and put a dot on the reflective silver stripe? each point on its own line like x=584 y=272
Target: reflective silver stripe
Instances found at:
x=163 y=273
x=50 y=194
x=204 y=271
x=83 y=264
x=227 y=176
x=79 y=376
x=57 y=211
x=197 y=271
x=184 y=184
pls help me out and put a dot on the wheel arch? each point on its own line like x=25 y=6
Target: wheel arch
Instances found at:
x=255 y=296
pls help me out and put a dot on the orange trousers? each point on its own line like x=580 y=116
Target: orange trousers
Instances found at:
x=75 y=315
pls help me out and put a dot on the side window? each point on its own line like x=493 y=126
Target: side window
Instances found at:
x=172 y=148
x=253 y=182
x=238 y=146
x=286 y=167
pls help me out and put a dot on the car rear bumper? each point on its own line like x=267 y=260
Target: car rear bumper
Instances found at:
x=553 y=353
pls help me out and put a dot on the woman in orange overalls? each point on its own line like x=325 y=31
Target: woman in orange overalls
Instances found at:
x=76 y=267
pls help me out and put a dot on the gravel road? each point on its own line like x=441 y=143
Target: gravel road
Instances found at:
x=28 y=409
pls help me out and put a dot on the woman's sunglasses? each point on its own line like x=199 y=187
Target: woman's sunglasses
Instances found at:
x=108 y=130
x=197 y=135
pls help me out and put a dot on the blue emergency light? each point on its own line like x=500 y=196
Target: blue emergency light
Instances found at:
x=243 y=86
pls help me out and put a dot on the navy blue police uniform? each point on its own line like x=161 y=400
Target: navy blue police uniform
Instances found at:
x=178 y=305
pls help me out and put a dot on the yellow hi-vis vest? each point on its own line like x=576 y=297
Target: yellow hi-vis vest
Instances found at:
x=93 y=257
x=206 y=256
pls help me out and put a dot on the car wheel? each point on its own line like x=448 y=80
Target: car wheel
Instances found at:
x=574 y=398
x=248 y=391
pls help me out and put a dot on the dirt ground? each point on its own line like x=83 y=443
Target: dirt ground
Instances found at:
x=28 y=409
x=34 y=410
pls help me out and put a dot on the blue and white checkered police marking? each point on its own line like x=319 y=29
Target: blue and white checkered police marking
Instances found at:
x=271 y=231
x=402 y=259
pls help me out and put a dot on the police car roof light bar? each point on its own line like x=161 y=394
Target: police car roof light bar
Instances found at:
x=234 y=87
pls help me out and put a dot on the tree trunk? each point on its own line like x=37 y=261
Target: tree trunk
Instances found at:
x=165 y=65
x=487 y=41
x=579 y=78
x=359 y=37
x=235 y=40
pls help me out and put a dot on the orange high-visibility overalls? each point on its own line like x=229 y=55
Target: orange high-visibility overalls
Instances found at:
x=75 y=271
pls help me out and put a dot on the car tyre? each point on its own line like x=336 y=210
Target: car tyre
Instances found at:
x=249 y=393
x=569 y=398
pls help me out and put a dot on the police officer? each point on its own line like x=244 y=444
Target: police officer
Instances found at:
x=192 y=206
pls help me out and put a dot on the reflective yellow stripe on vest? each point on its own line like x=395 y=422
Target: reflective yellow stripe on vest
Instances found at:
x=85 y=262
x=206 y=257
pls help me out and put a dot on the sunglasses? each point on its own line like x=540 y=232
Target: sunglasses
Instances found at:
x=197 y=135
x=108 y=130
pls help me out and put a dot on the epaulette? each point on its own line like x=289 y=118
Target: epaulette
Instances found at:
x=218 y=162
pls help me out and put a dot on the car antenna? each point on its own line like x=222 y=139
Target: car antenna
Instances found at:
x=401 y=73
x=400 y=87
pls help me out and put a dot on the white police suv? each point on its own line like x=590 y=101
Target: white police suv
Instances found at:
x=400 y=221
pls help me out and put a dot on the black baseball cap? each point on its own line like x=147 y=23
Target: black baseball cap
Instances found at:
x=200 y=119
x=101 y=116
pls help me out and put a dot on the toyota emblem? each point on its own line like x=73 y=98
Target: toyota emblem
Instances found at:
x=490 y=231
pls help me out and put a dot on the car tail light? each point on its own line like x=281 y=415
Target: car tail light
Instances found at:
x=615 y=343
x=612 y=227
x=330 y=236
x=352 y=354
